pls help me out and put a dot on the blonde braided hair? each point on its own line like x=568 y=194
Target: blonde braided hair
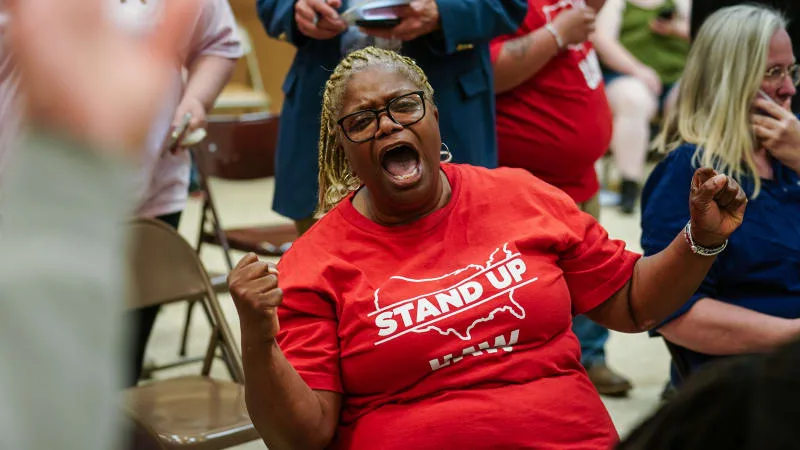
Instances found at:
x=336 y=180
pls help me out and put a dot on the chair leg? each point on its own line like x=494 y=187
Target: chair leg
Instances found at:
x=185 y=336
x=210 y=207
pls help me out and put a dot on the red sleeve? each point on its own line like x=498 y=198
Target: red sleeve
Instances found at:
x=308 y=336
x=595 y=266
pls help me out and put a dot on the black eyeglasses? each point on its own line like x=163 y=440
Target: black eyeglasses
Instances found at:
x=776 y=74
x=404 y=110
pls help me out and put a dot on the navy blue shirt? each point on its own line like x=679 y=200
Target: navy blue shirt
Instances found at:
x=760 y=269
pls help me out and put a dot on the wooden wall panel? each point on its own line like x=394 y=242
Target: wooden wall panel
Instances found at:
x=274 y=56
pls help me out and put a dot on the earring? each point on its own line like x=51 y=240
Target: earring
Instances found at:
x=445 y=156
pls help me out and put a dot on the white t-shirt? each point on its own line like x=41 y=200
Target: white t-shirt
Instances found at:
x=162 y=182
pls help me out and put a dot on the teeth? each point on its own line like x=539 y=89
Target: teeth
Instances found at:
x=408 y=175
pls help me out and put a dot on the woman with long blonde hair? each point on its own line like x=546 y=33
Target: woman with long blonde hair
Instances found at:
x=733 y=115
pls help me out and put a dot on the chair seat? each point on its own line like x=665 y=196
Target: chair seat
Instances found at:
x=237 y=95
x=193 y=412
x=266 y=241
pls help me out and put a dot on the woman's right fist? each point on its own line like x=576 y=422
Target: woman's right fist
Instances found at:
x=254 y=288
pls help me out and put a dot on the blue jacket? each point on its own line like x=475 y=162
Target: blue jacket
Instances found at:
x=455 y=59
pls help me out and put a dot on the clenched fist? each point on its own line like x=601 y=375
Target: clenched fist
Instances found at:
x=716 y=205
x=254 y=288
x=575 y=25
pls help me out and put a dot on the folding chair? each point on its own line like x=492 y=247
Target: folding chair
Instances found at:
x=239 y=148
x=236 y=148
x=250 y=95
x=139 y=436
x=187 y=412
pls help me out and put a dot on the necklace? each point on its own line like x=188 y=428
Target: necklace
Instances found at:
x=144 y=2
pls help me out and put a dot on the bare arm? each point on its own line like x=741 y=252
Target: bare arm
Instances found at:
x=207 y=77
x=285 y=411
x=521 y=58
x=717 y=328
x=614 y=55
x=596 y=5
x=606 y=39
x=662 y=283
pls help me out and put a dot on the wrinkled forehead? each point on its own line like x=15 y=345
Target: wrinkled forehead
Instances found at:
x=373 y=86
x=780 y=49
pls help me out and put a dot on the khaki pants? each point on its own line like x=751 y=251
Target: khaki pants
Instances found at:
x=591 y=206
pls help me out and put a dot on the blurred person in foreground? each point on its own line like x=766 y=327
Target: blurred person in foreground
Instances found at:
x=750 y=402
x=733 y=114
x=9 y=87
x=93 y=94
x=207 y=54
x=554 y=121
x=430 y=307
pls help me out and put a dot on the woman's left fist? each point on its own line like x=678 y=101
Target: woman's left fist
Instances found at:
x=716 y=206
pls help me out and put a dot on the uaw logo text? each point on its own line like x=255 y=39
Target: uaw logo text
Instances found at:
x=481 y=291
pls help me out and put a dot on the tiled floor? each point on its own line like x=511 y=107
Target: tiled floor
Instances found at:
x=643 y=359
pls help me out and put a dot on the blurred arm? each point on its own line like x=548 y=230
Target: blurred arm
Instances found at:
x=521 y=58
x=606 y=39
x=718 y=328
x=208 y=75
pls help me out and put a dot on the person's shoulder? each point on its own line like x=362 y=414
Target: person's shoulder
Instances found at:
x=684 y=156
x=314 y=245
x=671 y=178
x=512 y=184
x=500 y=175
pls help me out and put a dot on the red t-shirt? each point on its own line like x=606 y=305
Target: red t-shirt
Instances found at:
x=558 y=123
x=454 y=331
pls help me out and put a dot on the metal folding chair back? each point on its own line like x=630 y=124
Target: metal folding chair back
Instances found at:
x=187 y=412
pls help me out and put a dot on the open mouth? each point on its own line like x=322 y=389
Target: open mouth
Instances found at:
x=402 y=163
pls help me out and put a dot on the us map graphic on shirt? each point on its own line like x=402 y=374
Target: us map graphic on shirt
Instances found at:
x=453 y=304
x=588 y=63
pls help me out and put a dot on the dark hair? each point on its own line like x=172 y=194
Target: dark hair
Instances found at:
x=743 y=403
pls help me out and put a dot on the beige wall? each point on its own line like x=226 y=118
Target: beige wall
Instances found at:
x=274 y=56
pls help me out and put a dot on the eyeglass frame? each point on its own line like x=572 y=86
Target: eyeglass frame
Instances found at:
x=784 y=73
x=378 y=112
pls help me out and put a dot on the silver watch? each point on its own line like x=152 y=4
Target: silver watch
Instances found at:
x=699 y=249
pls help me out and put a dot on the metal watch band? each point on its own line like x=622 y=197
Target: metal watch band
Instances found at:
x=699 y=249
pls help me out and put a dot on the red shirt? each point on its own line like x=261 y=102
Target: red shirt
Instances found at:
x=558 y=123
x=454 y=331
